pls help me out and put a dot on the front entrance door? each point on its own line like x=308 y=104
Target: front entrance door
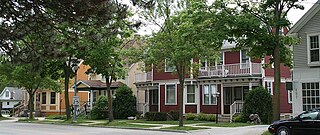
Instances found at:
x=232 y=94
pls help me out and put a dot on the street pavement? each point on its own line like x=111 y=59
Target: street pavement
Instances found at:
x=10 y=127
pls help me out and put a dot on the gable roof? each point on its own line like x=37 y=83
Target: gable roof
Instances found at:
x=305 y=18
x=17 y=92
x=96 y=85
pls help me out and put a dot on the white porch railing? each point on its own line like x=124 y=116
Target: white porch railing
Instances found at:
x=143 y=107
x=143 y=77
x=235 y=108
x=239 y=69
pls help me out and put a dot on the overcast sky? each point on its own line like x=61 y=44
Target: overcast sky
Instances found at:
x=294 y=15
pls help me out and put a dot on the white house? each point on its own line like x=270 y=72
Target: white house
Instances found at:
x=10 y=96
x=306 y=58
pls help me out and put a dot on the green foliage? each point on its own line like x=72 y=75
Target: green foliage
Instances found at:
x=156 y=116
x=173 y=115
x=191 y=116
x=202 y=117
x=99 y=110
x=239 y=118
x=124 y=104
x=258 y=101
x=211 y=117
x=61 y=117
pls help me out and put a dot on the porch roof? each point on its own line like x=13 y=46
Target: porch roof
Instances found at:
x=87 y=85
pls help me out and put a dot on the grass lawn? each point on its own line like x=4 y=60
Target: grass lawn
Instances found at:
x=166 y=122
x=266 y=133
x=226 y=124
x=185 y=128
x=4 y=118
x=122 y=124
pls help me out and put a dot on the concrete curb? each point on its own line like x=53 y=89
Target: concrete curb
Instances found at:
x=146 y=129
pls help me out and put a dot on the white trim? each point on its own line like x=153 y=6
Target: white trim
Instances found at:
x=216 y=89
x=308 y=49
x=165 y=94
x=198 y=98
x=165 y=67
x=186 y=95
x=290 y=91
x=270 y=87
x=247 y=66
x=159 y=96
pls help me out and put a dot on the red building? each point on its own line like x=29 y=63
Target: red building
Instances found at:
x=233 y=76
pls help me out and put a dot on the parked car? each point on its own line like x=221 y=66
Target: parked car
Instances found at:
x=307 y=123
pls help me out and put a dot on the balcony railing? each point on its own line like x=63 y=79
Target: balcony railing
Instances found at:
x=143 y=77
x=241 y=69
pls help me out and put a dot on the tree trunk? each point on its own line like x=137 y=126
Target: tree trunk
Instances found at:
x=110 y=108
x=31 y=105
x=277 y=79
x=181 y=75
x=66 y=89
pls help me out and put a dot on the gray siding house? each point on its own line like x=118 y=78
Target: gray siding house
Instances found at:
x=306 y=56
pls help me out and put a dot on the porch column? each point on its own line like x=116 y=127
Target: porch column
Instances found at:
x=184 y=99
x=221 y=99
x=91 y=99
x=250 y=66
x=250 y=85
x=198 y=98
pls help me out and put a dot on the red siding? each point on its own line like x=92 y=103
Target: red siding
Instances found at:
x=269 y=72
x=210 y=109
x=285 y=107
x=231 y=57
x=191 y=109
x=167 y=108
x=161 y=75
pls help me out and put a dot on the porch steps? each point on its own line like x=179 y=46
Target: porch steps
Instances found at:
x=224 y=118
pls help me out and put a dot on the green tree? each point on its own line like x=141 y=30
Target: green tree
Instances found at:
x=183 y=37
x=25 y=76
x=124 y=103
x=258 y=101
x=99 y=110
x=256 y=26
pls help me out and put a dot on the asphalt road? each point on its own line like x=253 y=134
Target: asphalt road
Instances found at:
x=14 y=128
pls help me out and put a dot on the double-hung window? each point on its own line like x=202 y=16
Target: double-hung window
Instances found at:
x=244 y=60
x=171 y=94
x=7 y=94
x=52 y=98
x=168 y=66
x=270 y=87
x=310 y=95
x=313 y=49
x=191 y=94
x=209 y=97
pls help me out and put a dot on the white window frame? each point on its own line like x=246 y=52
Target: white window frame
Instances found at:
x=220 y=60
x=270 y=87
x=241 y=62
x=213 y=93
x=55 y=98
x=175 y=93
x=190 y=94
x=7 y=94
x=206 y=65
x=165 y=67
x=309 y=47
x=290 y=97
x=307 y=95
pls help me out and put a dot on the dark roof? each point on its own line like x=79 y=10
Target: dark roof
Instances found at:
x=98 y=85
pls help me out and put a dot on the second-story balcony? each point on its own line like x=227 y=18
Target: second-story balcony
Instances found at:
x=143 y=77
x=231 y=70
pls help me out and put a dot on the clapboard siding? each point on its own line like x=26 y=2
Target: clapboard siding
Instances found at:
x=300 y=51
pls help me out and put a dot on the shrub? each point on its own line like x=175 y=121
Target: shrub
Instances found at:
x=156 y=116
x=202 y=117
x=191 y=116
x=124 y=105
x=258 y=101
x=239 y=118
x=211 y=117
x=100 y=111
x=173 y=115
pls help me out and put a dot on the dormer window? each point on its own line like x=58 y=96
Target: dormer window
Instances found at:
x=7 y=94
